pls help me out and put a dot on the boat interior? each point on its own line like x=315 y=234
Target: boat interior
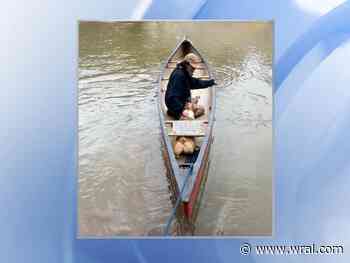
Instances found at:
x=197 y=128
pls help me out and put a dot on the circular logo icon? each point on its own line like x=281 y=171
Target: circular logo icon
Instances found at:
x=245 y=249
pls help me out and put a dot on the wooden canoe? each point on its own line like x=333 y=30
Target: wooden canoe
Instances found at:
x=198 y=163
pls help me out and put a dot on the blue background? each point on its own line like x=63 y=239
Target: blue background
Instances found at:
x=38 y=114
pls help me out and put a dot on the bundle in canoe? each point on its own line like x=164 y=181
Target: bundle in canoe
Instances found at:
x=187 y=172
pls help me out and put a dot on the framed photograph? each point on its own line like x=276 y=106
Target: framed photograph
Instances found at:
x=175 y=129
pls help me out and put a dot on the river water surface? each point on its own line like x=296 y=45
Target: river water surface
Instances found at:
x=123 y=189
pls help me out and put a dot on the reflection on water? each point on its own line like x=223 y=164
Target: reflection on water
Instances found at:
x=122 y=184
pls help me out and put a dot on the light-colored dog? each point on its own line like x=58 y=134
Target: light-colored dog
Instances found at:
x=184 y=145
x=192 y=110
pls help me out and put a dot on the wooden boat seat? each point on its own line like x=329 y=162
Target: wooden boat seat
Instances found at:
x=192 y=128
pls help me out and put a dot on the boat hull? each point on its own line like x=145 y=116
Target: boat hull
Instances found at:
x=187 y=175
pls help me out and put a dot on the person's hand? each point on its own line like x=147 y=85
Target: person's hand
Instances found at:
x=212 y=82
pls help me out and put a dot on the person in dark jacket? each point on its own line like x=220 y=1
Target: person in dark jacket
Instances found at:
x=180 y=83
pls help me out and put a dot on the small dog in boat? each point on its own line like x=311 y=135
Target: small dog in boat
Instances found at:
x=184 y=145
x=192 y=110
x=188 y=112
